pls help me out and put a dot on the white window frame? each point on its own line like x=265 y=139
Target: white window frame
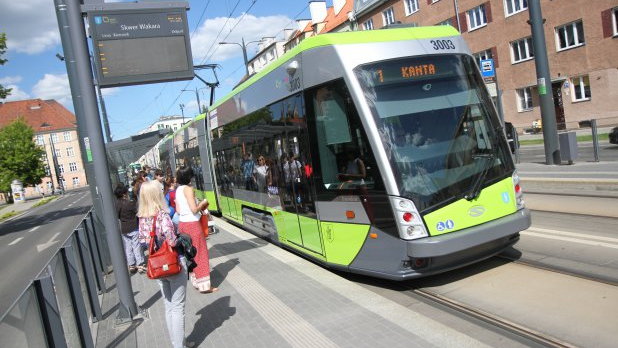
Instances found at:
x=73 y=166
x=615 y=21
x=580 y=87
x=75 y=181
x=54 y=137
x=40 y=140
x=524 y=47
x=368 y=24
x=524 y=99
x=477 y=15
x=445 y=22
x=388 y=16
x=485 y=54
x=411 y=6
x=58 y=153
x=70 y=152
x=523 y=5
x=67 y=136
x=570 y=29
x=61 y=168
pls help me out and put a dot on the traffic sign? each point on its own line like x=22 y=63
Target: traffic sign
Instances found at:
x=487 y=68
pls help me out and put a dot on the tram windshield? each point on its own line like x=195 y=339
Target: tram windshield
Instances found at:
x=437 y=125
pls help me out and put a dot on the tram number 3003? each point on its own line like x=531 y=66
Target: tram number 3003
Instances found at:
x=442 y=44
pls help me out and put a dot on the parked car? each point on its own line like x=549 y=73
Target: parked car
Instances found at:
x=613 y=136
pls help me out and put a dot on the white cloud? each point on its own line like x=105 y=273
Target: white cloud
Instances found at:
x=7 y=80
x=53 y=87
x=205 y=40
x=30 y=26
x=16 y=93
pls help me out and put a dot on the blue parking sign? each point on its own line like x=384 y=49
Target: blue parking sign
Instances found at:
x=487 y=68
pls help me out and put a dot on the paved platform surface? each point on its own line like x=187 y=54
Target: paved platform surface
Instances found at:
x=270 y=297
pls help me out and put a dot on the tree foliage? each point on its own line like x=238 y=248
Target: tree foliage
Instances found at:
x=4 y=92
x=20 y=157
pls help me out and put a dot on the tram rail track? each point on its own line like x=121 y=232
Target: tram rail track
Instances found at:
x=504 y=324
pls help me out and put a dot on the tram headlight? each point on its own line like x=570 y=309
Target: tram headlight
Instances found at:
x=519 y=195
x=409 y=222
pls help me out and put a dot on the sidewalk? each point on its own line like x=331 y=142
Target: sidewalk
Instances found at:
x=269 y=297
x=19 y=208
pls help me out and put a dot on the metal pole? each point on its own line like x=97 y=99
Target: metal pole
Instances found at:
x=199 y=106
x=182 y=111
x=595 y=139
x=127 y=308
x=548 y=113
x=244 y=55
x=82 y=134
x=457 y=15
x=499 y=99
x=108 y=132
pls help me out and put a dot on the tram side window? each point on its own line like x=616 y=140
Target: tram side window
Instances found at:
x=345 y=160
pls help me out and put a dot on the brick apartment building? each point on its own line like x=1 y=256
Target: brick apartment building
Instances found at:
x=582 y=47
x=55 y=128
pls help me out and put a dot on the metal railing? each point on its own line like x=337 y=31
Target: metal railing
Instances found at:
x=57 y=307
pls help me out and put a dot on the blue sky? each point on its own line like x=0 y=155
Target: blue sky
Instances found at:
x=33 y=71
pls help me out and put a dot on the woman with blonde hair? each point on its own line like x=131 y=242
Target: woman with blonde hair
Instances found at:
x=153 y=209
x=189 y=222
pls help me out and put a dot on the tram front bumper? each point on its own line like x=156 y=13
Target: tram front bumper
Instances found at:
x=483 y=236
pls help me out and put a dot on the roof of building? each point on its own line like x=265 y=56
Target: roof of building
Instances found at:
x=42 y=115
x=333 y=20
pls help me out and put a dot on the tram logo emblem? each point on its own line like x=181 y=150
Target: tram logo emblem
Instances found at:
x=505 y=197
x=476 y=211
x=445 y=225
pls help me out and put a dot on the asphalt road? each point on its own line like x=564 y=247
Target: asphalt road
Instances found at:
x=28 y=242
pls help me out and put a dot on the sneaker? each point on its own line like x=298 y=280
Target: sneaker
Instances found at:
x=132 y=269
x=189 y=344
x=141 y=269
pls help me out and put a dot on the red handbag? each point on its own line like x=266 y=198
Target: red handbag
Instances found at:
x=164 y=261
x=204 y=222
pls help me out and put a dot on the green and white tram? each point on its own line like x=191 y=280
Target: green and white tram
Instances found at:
x=188 y=146
x=384 y=151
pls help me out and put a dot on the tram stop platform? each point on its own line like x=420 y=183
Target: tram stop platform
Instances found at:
x=270 y=297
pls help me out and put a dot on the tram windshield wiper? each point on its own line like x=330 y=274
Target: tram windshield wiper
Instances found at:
x=476 y=188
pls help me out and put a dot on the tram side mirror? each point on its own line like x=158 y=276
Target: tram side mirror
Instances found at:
x=585 y=123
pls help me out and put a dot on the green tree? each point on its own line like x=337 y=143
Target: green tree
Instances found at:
x=4 y=92
x=20 y=157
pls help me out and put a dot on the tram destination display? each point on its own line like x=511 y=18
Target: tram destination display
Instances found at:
x=141 y=46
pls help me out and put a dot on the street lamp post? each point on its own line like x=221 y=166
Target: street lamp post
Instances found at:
x=182 y=111
x=244 y=51
x=197 y=95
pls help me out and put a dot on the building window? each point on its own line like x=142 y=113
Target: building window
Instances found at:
x=40 y=140
x=411 y=6
x=67 y=136
x=445 y=22
x=476 y=17
x=54 y=137
x=58 y=153
x=61 y=168
x=524 y=99
x=368 y=24
x=70 y=152
x=73 y=166
x=47 y=172
x=44 y=157
x=483 y=55
x=570 y=35
x=581 y=88
x=512 y=7
x=522 y=50
x=75 y=181
x=388 y=16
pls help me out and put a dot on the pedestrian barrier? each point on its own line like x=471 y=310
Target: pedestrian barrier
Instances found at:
x=58 y=306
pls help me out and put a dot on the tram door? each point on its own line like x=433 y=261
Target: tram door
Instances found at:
x=297 y=173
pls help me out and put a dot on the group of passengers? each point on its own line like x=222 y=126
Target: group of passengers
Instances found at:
x=166 y=206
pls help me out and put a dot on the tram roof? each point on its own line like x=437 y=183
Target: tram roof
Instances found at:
x=345 y=38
